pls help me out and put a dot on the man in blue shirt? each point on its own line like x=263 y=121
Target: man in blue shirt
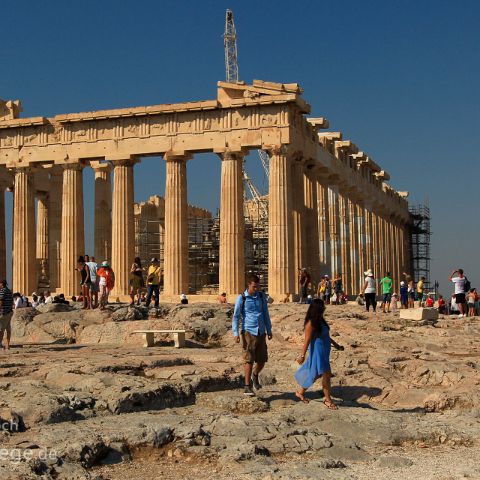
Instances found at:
x=251 y=323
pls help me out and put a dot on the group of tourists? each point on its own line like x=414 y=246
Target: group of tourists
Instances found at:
x=328 y=290
x=96 y=282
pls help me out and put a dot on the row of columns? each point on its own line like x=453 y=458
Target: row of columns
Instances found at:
x=313 y=222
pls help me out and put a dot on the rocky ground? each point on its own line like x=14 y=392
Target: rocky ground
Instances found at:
x=80 y=398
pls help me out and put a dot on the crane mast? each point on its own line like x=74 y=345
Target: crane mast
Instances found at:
x=230 y=44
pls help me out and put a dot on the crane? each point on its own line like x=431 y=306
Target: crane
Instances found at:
x=231 y=66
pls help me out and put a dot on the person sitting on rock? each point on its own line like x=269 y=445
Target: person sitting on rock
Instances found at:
x=48 y=297
x=317 y=342
x=222 y=298
x=183 y=299
x=251 y=322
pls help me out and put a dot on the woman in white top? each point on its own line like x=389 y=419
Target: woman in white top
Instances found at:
x=370 y=291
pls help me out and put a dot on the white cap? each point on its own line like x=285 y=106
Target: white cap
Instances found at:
x=183 y=296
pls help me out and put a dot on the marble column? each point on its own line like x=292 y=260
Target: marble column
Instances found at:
x=323 y=228
x=362 y=253
x=281 y=263
x=312 y=261
x=3 y=254
x=176 y=226
x=24 y=278
x=232 y=227
x=55 y=200
x=354 y=256
x=298 y=214
x=42 y=239
x=103 y=212
x=123 y=225
x=334 y=218
x=73 y=233
x=376 y=249
x=345 y=243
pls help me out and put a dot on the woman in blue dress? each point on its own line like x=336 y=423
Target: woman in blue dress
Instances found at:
x=318 y=342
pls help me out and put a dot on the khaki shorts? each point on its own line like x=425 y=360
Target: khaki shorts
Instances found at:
x=254 y=348
x=5 y=322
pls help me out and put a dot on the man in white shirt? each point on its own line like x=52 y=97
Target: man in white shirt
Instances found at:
x=460 y=282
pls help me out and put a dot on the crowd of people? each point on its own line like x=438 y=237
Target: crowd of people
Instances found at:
x=411 y=294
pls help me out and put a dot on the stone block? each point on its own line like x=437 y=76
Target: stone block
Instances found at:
x=419 y=314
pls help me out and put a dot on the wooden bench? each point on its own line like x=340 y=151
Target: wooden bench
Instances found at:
x=178 y=337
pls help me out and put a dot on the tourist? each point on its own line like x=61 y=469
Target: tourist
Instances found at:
x=328 y=289
x=84 y=270
x=19 y=300
x=441 y=305
x=305 y=282
x=317 y=342
x=137 y=283
x=309 y=300
x=93 y=285
x=394 y=302
x=35 y=302
x=403 y=295
x=338 y=289
x=322 y=286
x=41 y=299
x=106 y=282
x=429 y=302
x=410 y=290
x=48 y=297
x=74 y=298
x=471 y=299
x=461 y=287
x=360 y=300
x=183 y=299
x=251 y=322
x=153 y=282
x=222 y=298
x=387 y=287
x=370 y=291
x=420 y=289
x=454 y=309
x=6 y=312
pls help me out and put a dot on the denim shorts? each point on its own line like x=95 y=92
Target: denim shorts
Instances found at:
x=387 y=297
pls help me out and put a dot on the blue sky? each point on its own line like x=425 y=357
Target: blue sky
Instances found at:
x=400 y=79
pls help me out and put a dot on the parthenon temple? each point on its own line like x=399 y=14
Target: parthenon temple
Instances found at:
x=329 y=206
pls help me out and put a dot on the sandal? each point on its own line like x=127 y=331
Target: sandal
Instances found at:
x=330 y=405
x=302 y=397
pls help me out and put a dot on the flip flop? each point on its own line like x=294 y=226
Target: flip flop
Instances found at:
x=302 y=398
x=330 y=405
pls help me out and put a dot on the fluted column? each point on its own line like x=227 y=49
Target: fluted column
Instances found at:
x=354 y=256
x=311 y=256
x=55 y=201
x=3 y=256
x=362 y=253
x=176 y=226
x=73 y=233
x=345 y=243
x=298 y=213
x=375 y=244
x=232 y=228
x=334 y=217
x=123 y=226
x=42 y=239
x=24 y=232
x=281 y=263
x=323 y=227
x=103 y=211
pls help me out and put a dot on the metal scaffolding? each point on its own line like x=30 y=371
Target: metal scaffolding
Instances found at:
x=420 y=242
